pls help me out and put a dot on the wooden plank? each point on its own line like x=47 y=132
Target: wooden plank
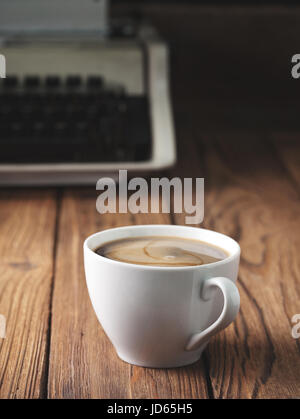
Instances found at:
x=27 y=234
x=287 y=147
x=83 y=363
x=250 y=197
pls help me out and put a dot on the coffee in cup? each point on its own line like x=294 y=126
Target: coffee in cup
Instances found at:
x=162 y=251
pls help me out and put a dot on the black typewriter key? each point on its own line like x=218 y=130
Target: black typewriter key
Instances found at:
x=94 y=82
x=10 y=82
x=52 y=81
x=31 y=82
x=73 y=81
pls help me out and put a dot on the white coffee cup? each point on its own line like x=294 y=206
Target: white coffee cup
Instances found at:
x=162 y=316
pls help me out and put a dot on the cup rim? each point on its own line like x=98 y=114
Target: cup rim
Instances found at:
x=228 y=259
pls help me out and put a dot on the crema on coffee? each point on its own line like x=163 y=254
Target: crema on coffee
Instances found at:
x=161 y=251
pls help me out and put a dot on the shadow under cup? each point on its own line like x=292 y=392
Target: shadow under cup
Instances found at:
x=159 y=316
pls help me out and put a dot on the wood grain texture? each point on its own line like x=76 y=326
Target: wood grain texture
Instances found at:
x=251 y=196
x=261 y=210
x=83 y=363
x=27 y=233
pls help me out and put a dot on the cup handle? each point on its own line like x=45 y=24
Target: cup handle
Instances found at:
x=230 y=310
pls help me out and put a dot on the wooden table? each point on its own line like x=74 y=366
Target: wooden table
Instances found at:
x=55 y=346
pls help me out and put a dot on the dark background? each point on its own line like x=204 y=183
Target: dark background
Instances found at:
x=230 y=65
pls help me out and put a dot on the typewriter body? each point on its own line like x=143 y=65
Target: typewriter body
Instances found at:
x=83 y=97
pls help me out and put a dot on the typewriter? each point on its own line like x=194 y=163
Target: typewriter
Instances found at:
x=83 y=95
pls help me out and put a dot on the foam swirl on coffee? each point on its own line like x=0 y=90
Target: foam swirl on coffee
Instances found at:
x=161 y=251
